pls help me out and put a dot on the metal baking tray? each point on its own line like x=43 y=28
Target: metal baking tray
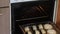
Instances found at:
x=36 y=24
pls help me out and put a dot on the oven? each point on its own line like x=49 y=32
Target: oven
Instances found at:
x=33 y=17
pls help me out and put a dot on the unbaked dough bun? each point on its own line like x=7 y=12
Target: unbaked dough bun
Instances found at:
x=40 y=26
x=34 y=27
x=29 y=32
x=37 y=32
x=43 y=31
x=27 y=29
x=51 y=32
x=48 y=26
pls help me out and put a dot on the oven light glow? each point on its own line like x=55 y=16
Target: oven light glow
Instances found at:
x=30 y=0
x=15 y=1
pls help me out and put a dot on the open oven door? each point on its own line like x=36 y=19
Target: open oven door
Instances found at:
x=31 y=14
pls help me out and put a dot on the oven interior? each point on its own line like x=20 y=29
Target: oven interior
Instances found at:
x=31 y=13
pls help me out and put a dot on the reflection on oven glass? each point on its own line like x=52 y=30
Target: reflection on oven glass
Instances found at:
x=34 y=11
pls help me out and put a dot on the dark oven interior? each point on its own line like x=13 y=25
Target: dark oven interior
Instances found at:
x=31 y=12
